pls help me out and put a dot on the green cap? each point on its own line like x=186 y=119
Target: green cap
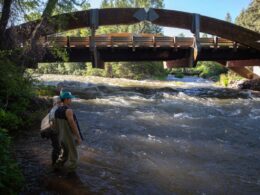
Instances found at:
x=66 y=95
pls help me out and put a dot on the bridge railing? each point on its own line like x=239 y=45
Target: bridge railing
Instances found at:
x=135 y=41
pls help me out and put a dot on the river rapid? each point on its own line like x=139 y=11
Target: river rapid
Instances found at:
x=148 y=137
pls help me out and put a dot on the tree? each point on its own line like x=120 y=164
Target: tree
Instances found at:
x=228 y=18
x=5 y=15
x=142 y=27
x=250 y=17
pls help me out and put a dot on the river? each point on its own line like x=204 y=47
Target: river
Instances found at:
x=147 y=137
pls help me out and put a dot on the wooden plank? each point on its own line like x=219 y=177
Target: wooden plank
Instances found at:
x=102 y=41
x=184 y=41
x=57 y=41
x=121 y=41
x=206 y=42
x=162 y=41
x=143 y=41
x=79 y=42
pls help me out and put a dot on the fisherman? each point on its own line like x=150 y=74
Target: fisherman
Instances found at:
x=57 y=150
x=68 y=130
x=49 y=131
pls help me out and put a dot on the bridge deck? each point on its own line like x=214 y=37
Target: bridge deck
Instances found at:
x=146 y=47
x=133 y=41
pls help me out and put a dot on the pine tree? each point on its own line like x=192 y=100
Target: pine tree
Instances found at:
x=228 y=18
x=250 y=17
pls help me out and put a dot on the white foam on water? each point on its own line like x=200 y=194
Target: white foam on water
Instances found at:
x=153 y=139
x=254 y=117
x=255 y=111
x=235 y=113
x=183 y=116
x=211 y=116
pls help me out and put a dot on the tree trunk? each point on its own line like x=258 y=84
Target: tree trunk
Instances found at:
x=4 y=21
x=45 y=15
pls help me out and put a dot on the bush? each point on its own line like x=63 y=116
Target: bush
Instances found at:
x=9 y=120
x=224 y=80
x=11 y=180
x=94 y=71
x=16 y=88
x=179 y=75
x=43 y=90
x=135 y=70
x=209 y=69
x=62 y=68
x=185 y=71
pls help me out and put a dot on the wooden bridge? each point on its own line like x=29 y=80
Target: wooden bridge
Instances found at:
x=231 y=45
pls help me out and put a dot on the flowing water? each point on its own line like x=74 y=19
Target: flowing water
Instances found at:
x=188 y=140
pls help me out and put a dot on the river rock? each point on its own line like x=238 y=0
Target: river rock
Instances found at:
x=80 y=89
x=250 y=84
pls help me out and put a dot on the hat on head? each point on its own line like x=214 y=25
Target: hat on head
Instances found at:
x=66 y=95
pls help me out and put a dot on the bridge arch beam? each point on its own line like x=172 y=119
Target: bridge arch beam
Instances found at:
x=167 y=18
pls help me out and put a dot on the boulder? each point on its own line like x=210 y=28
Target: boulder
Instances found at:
x=253 y=84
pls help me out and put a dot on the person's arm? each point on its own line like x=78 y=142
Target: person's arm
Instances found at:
x=73 y=125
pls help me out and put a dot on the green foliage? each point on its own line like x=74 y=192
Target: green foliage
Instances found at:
x=138 y=70
x=130 y=70
x=43 y=90
x=142 y=27
x=11 y=180
x=9 y=120
x=62 y=68
x=60 y=53
x=185 y=71
x=249 y=18
x=224 y=80
x=234 y=76
x=16 y=87
x=209 y=69
x=94 y=71
x=179 y=75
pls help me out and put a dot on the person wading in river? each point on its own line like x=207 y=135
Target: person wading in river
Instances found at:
x=69 y=134
x=50 y=132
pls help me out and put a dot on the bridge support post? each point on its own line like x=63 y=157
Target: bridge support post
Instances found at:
x=94 y=25
x=195 y=29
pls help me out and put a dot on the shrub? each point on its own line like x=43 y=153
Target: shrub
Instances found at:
x=43 y=90
x=11 y=180
x=94 y=71
x=9 y=120
x=135 y=70
x=179 y=75
x=76 y=68
x=16 y=87
x=224 y=80
x=209 y=69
